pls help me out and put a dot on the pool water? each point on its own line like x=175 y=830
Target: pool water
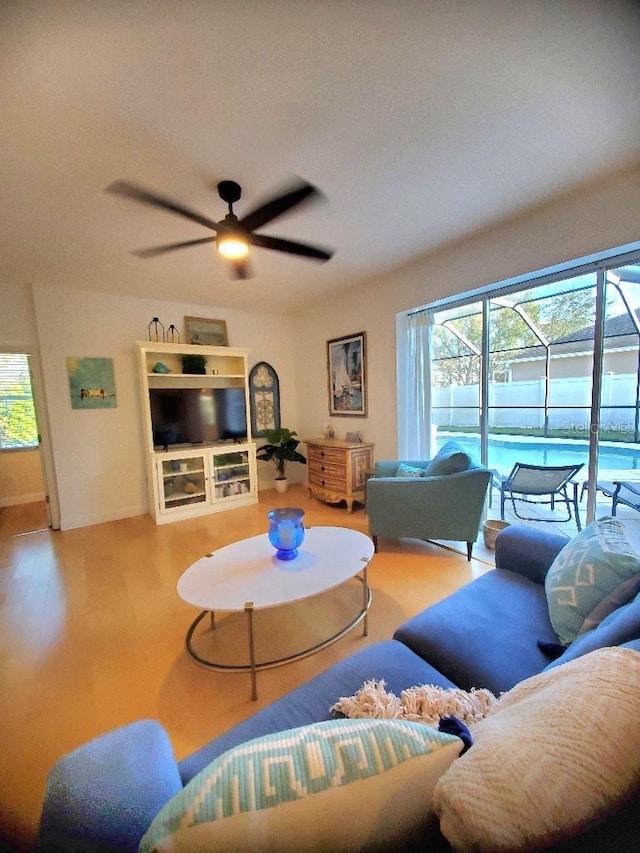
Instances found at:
x=505 y=452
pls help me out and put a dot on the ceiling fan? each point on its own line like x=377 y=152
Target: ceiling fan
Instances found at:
x=233 y=236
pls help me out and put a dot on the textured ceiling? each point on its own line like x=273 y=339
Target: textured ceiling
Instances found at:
x=420 y=121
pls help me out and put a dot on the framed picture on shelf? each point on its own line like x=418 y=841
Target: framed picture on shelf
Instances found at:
x=347 y=375
x=210 y=333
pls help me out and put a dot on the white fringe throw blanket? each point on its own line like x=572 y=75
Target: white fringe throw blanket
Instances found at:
x=424 y=703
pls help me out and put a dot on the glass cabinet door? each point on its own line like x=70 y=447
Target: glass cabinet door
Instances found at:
x=182 y=482
x=231 y=474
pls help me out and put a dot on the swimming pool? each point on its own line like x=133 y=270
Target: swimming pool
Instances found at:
x=506 y=451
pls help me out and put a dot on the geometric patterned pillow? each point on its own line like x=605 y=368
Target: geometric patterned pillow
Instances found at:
x=593 y=574
x=337 y=785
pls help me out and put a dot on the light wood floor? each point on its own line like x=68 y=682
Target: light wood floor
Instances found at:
x=92 y=633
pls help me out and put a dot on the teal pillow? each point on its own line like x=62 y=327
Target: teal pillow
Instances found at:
x=405 y=470
x=339 y=785
x=450 y=459
x=596 y=572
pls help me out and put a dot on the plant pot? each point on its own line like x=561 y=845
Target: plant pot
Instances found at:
x=490 y=530
x=282 y=486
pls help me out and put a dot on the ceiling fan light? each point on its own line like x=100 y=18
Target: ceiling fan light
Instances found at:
x=233 y=247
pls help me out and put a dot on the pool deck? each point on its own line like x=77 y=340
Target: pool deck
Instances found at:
x=551 y=520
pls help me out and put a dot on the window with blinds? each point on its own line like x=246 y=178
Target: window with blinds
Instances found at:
x=18 y=426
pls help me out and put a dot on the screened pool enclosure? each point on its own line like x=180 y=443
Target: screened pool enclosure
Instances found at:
x=547 y=369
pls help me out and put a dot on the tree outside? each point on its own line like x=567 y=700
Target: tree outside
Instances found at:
x=17 y=414
x=458 y=341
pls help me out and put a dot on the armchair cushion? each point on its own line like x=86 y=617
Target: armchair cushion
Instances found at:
x=450 y=459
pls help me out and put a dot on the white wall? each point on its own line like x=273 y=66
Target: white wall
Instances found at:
x=98 y=453
x=598 y=218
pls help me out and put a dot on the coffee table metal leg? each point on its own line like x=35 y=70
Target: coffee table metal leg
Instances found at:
x=252 y=666
x=365 y=600
x=248 y=609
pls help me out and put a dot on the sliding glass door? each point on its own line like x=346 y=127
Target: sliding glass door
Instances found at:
x=546 y=373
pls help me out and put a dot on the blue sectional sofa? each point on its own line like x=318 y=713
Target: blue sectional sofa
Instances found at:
x=104 y=795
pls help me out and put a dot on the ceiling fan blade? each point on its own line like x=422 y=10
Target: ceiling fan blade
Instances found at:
x=137 y=193
x=171 y=247
x=277 y=206
x=267 y=242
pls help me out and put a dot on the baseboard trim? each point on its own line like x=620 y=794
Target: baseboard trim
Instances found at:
x=22 y=499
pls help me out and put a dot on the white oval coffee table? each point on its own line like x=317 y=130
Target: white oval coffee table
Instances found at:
x=247 y=576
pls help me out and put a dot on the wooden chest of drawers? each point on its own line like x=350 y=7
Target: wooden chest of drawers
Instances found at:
x=338 y=470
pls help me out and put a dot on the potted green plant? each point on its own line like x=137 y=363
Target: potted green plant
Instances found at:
x=194 y=364
x=280 y=448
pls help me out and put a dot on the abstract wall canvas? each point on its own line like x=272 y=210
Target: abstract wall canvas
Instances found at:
x=91 y=383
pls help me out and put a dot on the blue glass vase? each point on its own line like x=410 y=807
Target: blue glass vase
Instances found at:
x=286 y=531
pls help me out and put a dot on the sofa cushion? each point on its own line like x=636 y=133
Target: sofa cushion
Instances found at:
x=528 y=551
x=555 y=754
x=450 y=459
x=301 y=789
x=485 y=634
x=593 y=574
x=405 y=470
x=311 y=702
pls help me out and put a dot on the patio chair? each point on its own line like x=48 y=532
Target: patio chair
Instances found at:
x=627 y=494
x=620 y=492
x=533 y=483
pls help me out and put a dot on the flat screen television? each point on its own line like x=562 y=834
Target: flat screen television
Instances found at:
x=182 y=416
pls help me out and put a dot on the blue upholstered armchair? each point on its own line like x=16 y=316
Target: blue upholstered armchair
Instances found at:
x=441 y=498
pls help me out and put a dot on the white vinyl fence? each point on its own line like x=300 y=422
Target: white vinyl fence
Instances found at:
x=521 y=404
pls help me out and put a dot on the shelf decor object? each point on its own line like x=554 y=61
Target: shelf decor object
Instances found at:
x=173 y=335
x=286 y=531
x=203 y=332
x=194 y=364
x=346 y=366
x=156 y=331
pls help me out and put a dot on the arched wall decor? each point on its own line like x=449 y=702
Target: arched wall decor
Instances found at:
x=264 y=398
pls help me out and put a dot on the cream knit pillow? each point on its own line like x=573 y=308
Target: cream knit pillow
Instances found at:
x=554 y=753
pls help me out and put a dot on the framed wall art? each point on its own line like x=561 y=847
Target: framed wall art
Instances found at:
x=209 y=333
x=264 y=396
x=91 y=383
x=347 y=375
